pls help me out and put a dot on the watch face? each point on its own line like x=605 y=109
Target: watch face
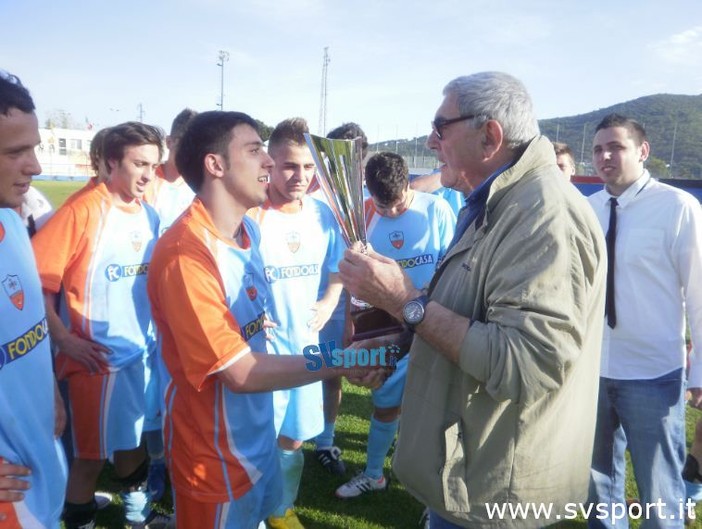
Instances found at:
x=414 y=311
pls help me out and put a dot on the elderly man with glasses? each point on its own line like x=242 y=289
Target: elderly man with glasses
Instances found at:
x=499 y=404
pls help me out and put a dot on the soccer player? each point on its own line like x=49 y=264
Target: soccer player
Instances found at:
x=169 y=194
x=32 y=464
x=209 y=294
x=415 y=229
x=97 y=248
x=300 y=245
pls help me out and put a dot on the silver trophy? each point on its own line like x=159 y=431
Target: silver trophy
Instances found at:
x=340 y=175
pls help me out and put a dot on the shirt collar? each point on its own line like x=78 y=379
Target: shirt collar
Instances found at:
x=633 y=190
x=479 y=195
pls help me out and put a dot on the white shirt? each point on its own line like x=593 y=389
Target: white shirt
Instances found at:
x=658 y=277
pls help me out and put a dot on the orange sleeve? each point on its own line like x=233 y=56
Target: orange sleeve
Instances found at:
x=187 y=298
x=57 y=244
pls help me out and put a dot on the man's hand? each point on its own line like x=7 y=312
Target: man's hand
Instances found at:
x=695 y=399
x=11 y=487
x=322 y=312
x=372 y=378
x=376 y=279
x=90 y=354
x=60 y=417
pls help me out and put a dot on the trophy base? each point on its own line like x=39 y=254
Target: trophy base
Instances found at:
x=371 y=322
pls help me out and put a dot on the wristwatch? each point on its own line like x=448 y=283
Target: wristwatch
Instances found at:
x=413 y=311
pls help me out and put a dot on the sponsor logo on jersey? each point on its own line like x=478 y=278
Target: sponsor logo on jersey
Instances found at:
x=2 y=232
x=115 y=272
x=249 y=286
x=293 y=240
x=417 y=260
x=24 y=343
x=397 y=239
x=274 y=273
x=13 y=288
x=137 y=240
x=254 y=326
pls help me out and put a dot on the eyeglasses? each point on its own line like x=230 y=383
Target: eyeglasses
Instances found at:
x=440 y=123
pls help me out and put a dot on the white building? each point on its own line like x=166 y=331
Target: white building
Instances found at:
x=65 y=153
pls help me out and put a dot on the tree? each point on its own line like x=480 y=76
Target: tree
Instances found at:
x=657 y=167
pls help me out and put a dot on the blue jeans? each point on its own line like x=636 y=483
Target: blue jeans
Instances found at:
x=648 y=418
x=437 y=522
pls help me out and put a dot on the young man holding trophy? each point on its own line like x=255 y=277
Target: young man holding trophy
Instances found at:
x=210 y=300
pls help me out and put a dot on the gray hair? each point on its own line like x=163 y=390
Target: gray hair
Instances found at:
x=498 y=96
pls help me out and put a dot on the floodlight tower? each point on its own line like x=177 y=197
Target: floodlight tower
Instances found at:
x=322 y=130
x=223 y=57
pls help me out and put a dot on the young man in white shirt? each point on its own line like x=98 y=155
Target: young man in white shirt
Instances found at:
x=654 y=234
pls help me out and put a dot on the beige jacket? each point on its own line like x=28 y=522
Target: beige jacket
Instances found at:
x=514 y=422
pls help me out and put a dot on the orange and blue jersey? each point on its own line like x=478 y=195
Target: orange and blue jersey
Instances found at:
x=209 y=298
x=99 y=251
x=27 y=384
x=417 y=239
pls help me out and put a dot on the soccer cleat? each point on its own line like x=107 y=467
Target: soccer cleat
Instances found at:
x=156 y=481
x=330 y=458
x=360 y=484
x=102 y=499
x=288 y=521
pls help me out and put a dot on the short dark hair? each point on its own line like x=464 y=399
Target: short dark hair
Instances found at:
x=208 y=133
x=13 y=94
x=288 y=132
x=563 y=149
x=387 y=176
x=636 y=130
x=350 y=131
x=181 y=121
x=96 y=148
x=127 y=134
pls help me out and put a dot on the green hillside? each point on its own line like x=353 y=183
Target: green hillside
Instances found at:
x=673 y=123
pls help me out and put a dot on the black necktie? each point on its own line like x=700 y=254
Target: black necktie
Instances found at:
x=610 y=310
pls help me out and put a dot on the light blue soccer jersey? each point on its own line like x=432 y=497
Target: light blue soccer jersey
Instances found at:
x=418 y=239
x=27 y=381
x=298 y=250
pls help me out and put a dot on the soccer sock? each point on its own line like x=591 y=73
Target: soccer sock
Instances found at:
x=135 y=496
x=380 y=438
x=79 y=515
x=154 y=445
x=325 y=440
x=291 y=462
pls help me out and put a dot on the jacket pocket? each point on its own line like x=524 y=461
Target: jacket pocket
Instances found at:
x=453 y=472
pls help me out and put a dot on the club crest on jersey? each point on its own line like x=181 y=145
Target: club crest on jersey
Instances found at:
x=397 y=239
x=249 y=286
x=2 y=232
x=13 y=289
x=137 y=240
x=293 y=240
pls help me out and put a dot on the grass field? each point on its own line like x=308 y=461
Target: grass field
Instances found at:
x=317 y=506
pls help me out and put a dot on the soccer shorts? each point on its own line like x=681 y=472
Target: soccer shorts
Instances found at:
x=389 y=395
x=107 y=410
x=246 y=512
x=298 y=413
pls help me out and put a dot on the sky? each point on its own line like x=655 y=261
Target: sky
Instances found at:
x=102 y=62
